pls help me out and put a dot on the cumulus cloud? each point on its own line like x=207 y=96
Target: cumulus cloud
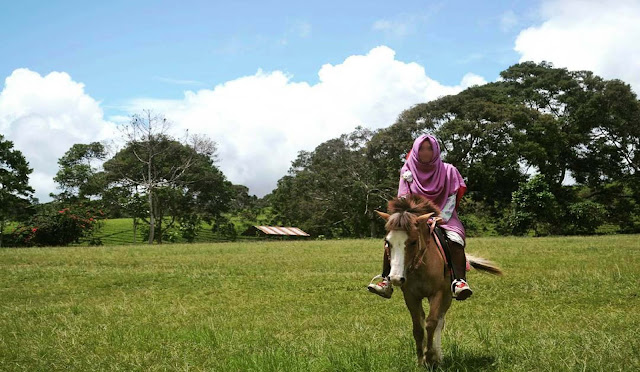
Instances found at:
x=600 y=36
x=44 y=116
x=261 y=121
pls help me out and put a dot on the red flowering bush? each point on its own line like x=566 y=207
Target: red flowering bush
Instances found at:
x=64 y=227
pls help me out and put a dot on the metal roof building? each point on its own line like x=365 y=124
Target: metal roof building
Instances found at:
x=275 y=231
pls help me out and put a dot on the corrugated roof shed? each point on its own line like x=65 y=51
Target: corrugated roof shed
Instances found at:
x=276 y=231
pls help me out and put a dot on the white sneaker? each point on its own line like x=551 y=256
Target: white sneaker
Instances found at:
x=382 y=289
x=460 y=289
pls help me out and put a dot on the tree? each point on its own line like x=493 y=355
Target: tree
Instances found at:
x=332 y=191
x=77 y=177
x=538 y=119
x=15 y=192
x=175 y=177
x=534 y=206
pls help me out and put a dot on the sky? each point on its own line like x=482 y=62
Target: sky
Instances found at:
x=267 y=79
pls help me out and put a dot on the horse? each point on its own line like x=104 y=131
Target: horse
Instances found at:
x=418 y=266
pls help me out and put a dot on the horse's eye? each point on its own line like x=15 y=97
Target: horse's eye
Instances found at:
x=413 y=242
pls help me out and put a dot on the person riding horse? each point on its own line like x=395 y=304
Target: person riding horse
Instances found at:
x=424 y=173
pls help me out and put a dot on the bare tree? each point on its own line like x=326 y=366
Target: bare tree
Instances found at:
x=153 y=159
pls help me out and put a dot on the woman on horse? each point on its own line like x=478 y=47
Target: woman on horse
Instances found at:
x=424 y=173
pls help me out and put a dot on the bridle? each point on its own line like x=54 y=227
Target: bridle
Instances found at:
x=422 y=245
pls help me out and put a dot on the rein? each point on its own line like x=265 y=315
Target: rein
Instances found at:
x=418 y=258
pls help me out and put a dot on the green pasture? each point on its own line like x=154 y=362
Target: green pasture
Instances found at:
x=565 y=304
x=119 y=231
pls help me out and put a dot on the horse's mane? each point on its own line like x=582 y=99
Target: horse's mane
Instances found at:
x=406 y=209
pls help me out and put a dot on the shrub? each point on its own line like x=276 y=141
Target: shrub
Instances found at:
x=585 y=217
x=63 y=227
x=189 y=226
x=533 y=207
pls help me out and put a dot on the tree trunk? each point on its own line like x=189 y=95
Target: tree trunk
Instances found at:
x=372 y=226
x=152 y=221
x=135 y=229
x=159 y=230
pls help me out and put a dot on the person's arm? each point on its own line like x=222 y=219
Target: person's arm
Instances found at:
x=403 y=186
x=449 y=207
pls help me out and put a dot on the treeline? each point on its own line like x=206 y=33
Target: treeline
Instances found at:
x=162 y=183
x=543 y=150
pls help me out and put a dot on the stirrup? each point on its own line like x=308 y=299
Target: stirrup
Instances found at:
x=384 y=291
x=375 y=278
x=460 y=289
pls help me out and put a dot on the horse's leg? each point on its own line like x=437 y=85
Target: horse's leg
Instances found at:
x=434 y=325
x=437 y=345
x=414 y=305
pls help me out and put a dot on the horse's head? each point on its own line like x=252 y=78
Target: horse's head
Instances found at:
x=402 y=241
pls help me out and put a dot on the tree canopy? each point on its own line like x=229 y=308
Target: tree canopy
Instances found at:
x=578 y=132
x=15 y=192
x=179 y=180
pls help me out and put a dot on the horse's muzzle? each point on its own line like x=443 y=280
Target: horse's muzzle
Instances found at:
x=397 y=280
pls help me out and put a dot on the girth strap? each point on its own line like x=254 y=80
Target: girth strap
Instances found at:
x=443 y=245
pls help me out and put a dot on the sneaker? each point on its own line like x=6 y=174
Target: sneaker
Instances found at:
x=461 y=290
x=382 y=289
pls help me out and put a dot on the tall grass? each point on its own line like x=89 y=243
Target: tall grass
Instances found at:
x=564 y=304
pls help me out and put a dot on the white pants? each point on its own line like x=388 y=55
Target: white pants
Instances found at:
x=454 y=237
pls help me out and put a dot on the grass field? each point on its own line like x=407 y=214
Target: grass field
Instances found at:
x=119 y=231
x=565 y=304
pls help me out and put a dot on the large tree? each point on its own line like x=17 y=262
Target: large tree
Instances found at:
x=332 y=190
x=175 y=177
x=536 y=120
x=15 y=192
x=78 y=177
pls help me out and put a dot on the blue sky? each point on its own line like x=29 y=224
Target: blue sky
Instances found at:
x=266 y=79
x=126 y=49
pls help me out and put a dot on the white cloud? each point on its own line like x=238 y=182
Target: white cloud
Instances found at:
x=44 y=117
x=600 y=36
x=260 y=122
x=471 y=79
x=397 y=28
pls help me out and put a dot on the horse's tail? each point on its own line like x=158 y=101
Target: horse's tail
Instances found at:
x=480 y=263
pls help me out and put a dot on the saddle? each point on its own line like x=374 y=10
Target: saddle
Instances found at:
x=443 y=245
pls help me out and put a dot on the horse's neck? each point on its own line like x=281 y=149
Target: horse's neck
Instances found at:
x=427 y=247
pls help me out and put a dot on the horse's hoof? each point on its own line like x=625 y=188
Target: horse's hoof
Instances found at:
x=432 y=360
x=422 y=362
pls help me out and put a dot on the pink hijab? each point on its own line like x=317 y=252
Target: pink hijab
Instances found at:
x=436 y=180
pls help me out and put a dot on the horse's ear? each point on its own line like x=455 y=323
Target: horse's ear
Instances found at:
x=384 y=216
x=423 y=218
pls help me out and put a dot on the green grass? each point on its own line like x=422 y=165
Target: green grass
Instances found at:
x=565 y=304
x=119 y=231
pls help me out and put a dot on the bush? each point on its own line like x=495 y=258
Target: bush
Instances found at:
x=224 y=228
x=585 y=217
x=169 y=235
x=478 y=225
x=533 y=207
x=61 y=228
x=189 y=226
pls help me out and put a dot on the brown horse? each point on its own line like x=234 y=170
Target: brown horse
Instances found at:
x=418 y=267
